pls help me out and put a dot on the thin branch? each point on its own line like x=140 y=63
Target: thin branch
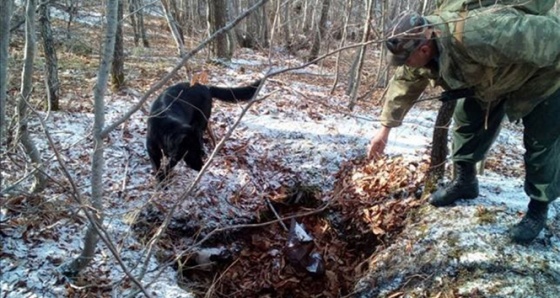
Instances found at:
x=167 y=77
x=75 y=194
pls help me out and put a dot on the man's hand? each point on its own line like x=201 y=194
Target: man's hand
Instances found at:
x=378 y=143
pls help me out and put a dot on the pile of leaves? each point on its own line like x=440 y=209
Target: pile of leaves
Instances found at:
x=367 y=208
x=374 y=199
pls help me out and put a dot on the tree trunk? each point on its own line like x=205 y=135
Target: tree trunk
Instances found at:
x=439 y=146
x=5 y=14
x=217 y=16
x=287 y=24
x=72 y=10
x=307 y=22
x=51 y=60
x=356 y=71
x=175 y=32
x=91 y=238
x=117 y=67
x=257 y=32
x=320 y=32
x=382 y=67
x=26 y=87
x=349 y=4
x=264 y=33
x=140 y=14
x=132 y=8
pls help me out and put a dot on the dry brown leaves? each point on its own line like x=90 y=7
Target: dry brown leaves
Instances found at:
x=369 y=206
x=33 y=216
x=375 y=197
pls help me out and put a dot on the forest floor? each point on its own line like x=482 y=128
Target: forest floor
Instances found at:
x=299 y=153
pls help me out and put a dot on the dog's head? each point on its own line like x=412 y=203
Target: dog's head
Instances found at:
x=174 y=140
x=194 y=156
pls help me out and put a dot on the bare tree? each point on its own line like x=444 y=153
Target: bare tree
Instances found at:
x=438 y=155
x=308 y=14
x=136 y=10
x=23 y=100
x=175 y=29
x=51 y=60
x=344 y=34
x=356 y=70
x=320 y=32
x=91 y=237
x=117 y=66
x=132 y=11
x=5 y=14
x=217 y=18
x=287 y=23
x=257 y=26
x=71 y=8
x=382 y=68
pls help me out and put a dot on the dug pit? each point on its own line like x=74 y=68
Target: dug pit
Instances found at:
x=304 y=244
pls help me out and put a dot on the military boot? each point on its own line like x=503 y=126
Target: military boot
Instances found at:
x=531 y=224
x=464 y=186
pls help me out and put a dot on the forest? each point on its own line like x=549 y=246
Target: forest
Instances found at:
x=286 y=203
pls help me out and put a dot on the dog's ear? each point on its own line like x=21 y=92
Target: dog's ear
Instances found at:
x=203 y=77
x=194 y=79
x=200 y=78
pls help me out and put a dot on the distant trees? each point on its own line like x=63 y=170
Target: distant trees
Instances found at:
x=357 y=65
x=304 y=28
x=176 y=31
x=136 y=11
x=52 y=83
x=320 y=31
x=222 y=46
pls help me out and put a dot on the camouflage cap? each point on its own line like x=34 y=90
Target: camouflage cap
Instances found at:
x=405 y=35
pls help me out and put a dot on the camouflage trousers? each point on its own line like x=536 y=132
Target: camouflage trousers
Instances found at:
x=476 y=129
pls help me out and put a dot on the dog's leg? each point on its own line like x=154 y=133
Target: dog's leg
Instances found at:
x=155 y=154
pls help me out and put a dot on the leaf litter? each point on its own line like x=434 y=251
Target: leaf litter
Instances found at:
x=301 y=150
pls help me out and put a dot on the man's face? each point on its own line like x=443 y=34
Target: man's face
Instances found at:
x=420 y=57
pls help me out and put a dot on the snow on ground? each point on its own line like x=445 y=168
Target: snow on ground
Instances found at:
x=464 y=250
x=284 y=138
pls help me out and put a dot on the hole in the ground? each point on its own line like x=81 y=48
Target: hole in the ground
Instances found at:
x=276 y=257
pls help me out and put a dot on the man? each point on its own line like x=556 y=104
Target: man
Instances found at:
x=510 y=62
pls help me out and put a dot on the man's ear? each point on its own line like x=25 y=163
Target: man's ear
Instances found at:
x=427 y=50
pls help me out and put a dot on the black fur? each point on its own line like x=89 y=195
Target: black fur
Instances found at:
x=178 y=118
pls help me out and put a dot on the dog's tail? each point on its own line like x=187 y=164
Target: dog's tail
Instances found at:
x=234 y=94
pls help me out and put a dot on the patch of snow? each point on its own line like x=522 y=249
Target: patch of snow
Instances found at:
x=276 y=142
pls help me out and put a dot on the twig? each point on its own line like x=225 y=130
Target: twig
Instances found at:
x=276 y=214
x=172 y=73
x=258 y=225
x=75 y=194
x=125 y=176
x=210 y=289
x=202 y=171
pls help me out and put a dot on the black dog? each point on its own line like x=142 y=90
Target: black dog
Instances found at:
x=178 y=118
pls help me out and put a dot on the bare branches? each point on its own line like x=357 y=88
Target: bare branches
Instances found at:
x=187 y=56
x=26 y=88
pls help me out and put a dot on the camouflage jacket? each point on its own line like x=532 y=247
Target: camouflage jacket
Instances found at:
x=505 y=55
